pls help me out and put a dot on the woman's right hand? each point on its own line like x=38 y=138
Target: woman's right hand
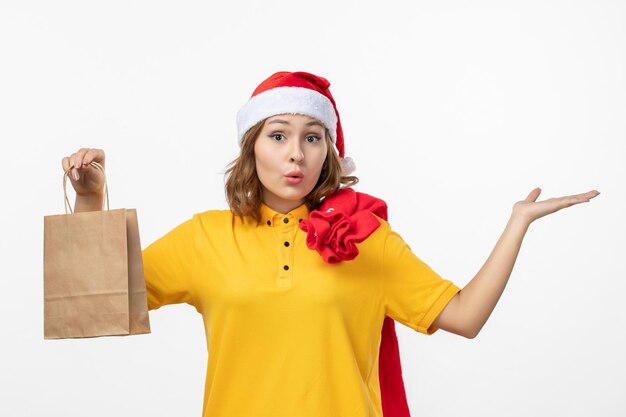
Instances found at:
x=85 y=178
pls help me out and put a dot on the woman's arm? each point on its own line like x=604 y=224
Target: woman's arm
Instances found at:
x=469 y=310
x=88 y=202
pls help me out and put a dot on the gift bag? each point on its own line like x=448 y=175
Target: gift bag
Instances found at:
x=94 y=282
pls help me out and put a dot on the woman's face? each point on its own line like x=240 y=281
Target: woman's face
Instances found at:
x=289 y=145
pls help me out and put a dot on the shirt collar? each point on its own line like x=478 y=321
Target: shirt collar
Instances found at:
x=271 y=217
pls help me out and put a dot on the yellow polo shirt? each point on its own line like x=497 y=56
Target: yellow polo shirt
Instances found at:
x=289 y=335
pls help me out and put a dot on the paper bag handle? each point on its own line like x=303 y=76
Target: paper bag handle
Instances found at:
x=106 y=190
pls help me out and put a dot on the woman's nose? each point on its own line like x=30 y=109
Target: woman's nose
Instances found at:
x=296 y=153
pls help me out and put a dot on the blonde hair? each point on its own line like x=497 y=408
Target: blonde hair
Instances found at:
x=244 y=191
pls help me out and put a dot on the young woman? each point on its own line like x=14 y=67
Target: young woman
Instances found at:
x=300 y=281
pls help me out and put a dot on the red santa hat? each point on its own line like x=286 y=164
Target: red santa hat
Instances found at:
x=298 y=92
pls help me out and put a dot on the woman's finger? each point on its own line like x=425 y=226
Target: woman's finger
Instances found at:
x=72 y=165
x=78 y=162
x=532 y=196
x=579 y=198
x=93 y=155
x=65 y=163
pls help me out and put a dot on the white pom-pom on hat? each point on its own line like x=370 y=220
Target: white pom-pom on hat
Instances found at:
x=348 y=165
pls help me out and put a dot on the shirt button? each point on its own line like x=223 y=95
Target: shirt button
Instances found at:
x=269 y=223
x=286 y=243
x=286 y=268
x=286 y=220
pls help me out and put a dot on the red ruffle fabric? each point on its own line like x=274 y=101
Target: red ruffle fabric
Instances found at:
x=344 y=219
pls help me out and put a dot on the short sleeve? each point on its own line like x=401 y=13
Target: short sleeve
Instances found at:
x=168 y=265
x=414 y=293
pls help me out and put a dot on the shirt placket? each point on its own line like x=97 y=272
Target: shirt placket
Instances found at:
x=286 y=224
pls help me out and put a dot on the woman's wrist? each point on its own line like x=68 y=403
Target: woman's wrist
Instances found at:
x=89 y=202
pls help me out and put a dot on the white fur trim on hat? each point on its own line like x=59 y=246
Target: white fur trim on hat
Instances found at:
x=287 y=100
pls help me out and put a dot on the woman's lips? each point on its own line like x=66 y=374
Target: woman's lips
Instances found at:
x=294 y=177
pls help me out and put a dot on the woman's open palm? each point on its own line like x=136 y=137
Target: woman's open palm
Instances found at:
x=531 y=209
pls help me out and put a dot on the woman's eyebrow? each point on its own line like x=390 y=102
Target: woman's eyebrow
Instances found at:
x=311 y=123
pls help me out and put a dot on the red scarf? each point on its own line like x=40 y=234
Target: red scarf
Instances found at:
x=344 y=219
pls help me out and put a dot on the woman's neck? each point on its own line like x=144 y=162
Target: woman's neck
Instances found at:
x=283 y=207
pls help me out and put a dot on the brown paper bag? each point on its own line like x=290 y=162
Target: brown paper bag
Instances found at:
x=94 y=283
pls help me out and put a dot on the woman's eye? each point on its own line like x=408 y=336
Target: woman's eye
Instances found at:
x=315 y=138
x=276 y=134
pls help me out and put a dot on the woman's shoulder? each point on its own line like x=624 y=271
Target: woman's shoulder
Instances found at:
x=213 y=216
x=383 y=234
x=222 y=218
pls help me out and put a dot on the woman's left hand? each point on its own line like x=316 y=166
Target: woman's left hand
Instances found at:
x=531 y=210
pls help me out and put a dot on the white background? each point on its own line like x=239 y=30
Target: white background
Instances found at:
x=453 y=111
